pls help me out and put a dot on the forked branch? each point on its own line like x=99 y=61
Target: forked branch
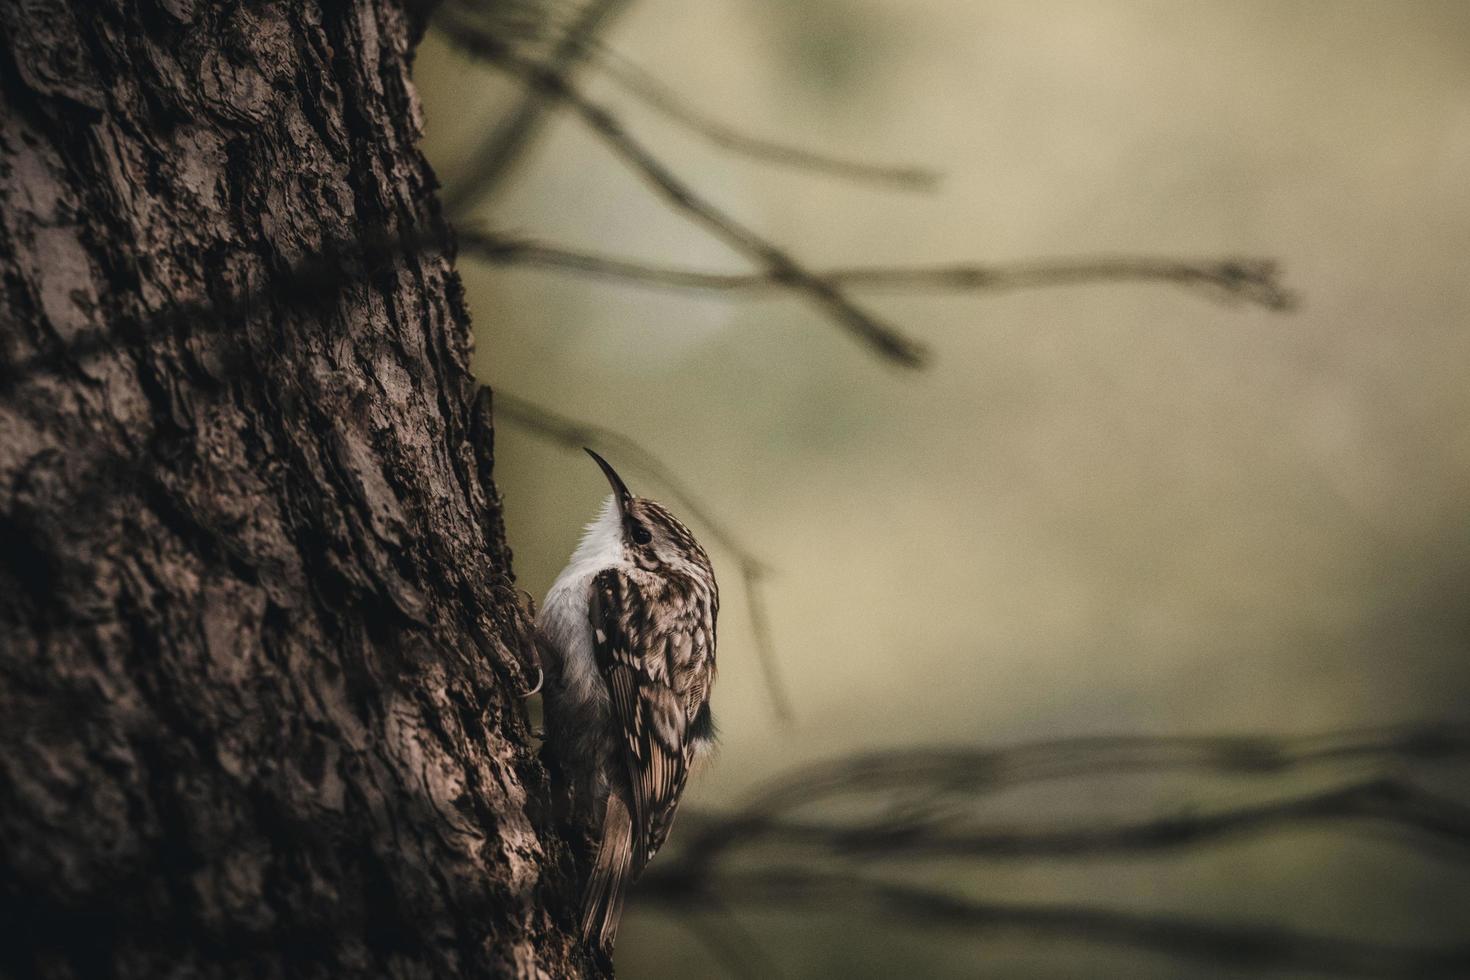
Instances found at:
x=777 y=263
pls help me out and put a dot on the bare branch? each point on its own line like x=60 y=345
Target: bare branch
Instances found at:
x=777 y=263
x=1397 y=808
x=661 y=98
x=927 y=790
x=493 y=160
x=573 y=434
x=1255 y=947
x=968 y=773
x=1250 y=280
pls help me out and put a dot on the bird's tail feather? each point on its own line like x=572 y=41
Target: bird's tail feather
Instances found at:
x=602 y=905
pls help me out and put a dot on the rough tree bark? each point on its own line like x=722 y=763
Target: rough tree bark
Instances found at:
x=261 y=648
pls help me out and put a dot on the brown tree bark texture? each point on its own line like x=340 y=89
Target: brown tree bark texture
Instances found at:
x=261 y=648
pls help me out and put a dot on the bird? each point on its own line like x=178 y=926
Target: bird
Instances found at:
x=629 y=629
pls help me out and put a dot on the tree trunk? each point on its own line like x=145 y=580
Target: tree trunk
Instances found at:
x=262 y=655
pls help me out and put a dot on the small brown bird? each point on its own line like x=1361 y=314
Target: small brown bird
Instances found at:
x=631 y=626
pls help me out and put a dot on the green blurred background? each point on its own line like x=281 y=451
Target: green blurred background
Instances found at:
x=1102 y=509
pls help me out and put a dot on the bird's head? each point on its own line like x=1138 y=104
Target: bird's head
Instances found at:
x=652 y=538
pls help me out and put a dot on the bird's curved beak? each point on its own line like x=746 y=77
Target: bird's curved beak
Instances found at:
x=620 y=489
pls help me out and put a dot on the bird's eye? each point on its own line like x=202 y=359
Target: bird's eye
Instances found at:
x=641 y=534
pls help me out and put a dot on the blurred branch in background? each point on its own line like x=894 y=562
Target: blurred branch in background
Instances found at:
x=910 y=779
x=783 y=268
x=574 y=434
x=1253 y=280
x=1397 y=808
x=1256 y=948
x=1249 y=280
x=660 y=97
x=915 y=805
x=498 y=154
x=578 y=44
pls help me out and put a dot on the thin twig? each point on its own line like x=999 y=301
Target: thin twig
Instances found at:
x=573 y=434
x=777 y=263
x=753 y=576
x=1250 y=280
x=494 y=159
x=660 y=97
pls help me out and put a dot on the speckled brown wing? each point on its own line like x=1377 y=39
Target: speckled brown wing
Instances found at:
x=654 y=644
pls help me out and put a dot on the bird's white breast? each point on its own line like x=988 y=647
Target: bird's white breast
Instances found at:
x=563 y=618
